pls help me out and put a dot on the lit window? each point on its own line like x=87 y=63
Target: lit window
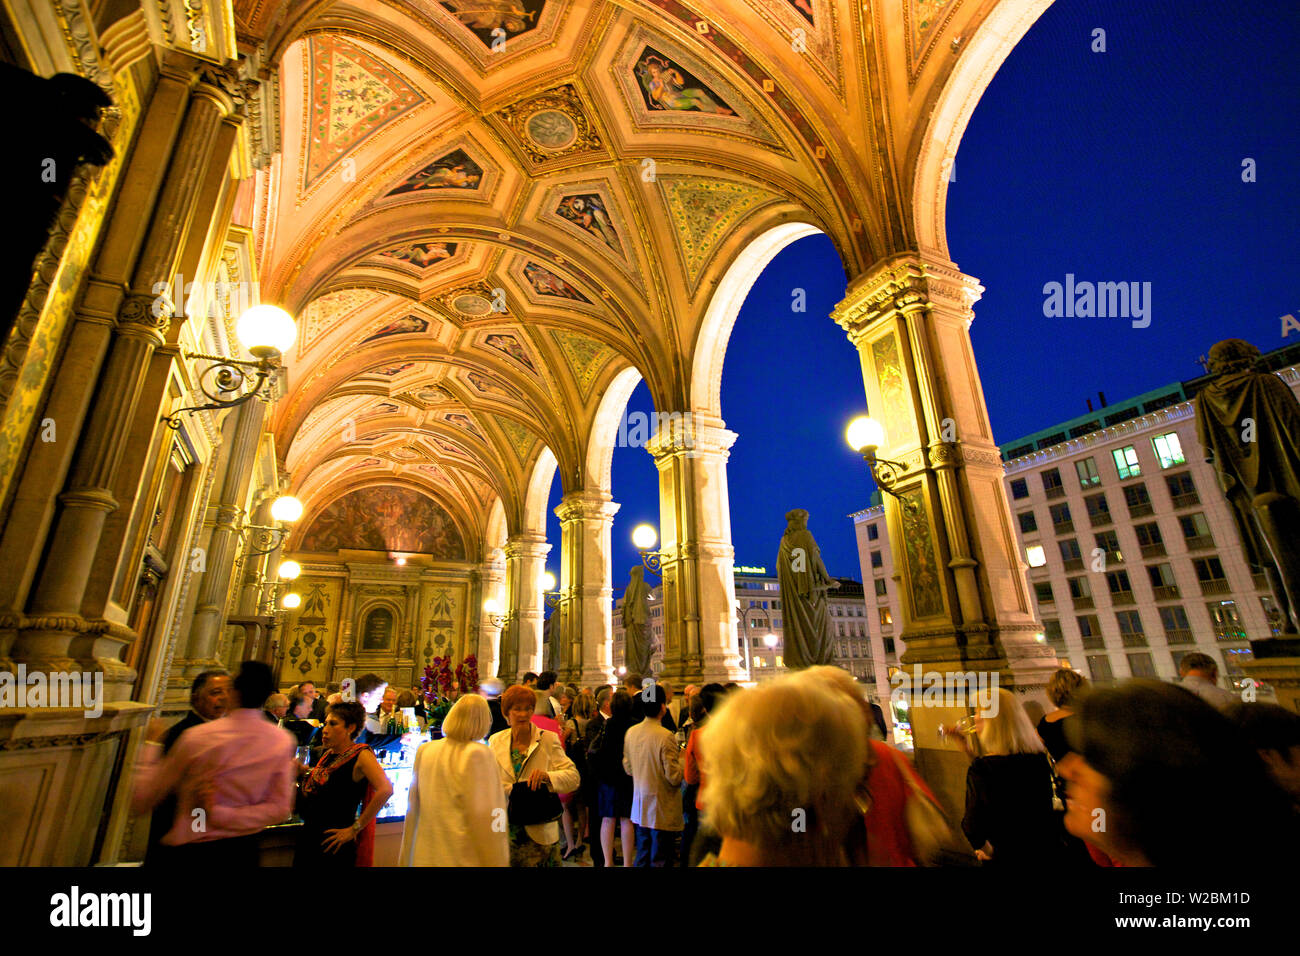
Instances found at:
x=1035 y=555
x=1126 y=462
x=1169 y=451
x=886 y=617
x=1087 y=472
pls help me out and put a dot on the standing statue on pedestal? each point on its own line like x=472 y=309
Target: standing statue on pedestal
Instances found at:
x=1248 y=422
x=638 y=645
x=804 y=582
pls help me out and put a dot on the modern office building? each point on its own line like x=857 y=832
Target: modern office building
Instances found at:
x=1130 y=548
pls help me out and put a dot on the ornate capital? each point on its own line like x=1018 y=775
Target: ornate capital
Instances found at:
x=685 y=434
x=585 y=506
x=527 y=546
x=147 y=313
x=223 y=86
x=902 y=284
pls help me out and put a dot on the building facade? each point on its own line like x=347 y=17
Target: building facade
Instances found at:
x=758 y=618
x=1129 y=546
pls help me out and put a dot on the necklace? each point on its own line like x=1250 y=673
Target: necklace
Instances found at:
x=320 y=774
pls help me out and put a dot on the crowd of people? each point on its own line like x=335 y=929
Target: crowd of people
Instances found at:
x=794 y=772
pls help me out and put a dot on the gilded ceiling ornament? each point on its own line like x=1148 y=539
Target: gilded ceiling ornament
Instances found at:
x=551 y=125
x=353 y=95
x=519 y=436
x=585 y=357
x=704 y=212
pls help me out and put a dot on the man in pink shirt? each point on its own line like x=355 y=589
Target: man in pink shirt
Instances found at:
x=232 y=777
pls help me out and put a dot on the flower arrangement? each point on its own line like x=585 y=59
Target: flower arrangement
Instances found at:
x=467 y=675
x=436 y=684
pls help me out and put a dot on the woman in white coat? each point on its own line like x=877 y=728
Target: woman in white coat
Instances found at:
x=529 y=755
x=456 y=814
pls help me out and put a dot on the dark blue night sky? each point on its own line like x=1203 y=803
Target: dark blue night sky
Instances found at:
x=1116 y=166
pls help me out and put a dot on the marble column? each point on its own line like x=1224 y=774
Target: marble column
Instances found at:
x=699 y=591
x=585 y=636
x=69 y=628
x=965 y=601
x=241 y=454
x=522 y=639
x=492 y=579
x=255 y=567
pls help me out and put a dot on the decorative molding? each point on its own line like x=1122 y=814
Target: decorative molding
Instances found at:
x=59 y=740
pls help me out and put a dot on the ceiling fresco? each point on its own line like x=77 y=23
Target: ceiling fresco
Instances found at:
x=484 y=211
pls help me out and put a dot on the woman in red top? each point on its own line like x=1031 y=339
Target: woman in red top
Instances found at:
x=881 y=837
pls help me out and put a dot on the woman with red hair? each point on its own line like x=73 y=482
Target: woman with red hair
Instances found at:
x=532 y=763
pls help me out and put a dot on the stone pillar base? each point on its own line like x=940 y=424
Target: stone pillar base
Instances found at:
x=56 y=768
x=71 y=644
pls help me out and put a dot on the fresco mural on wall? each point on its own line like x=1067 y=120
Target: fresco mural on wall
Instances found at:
x=546 y=282
x=587 y=212
x=385 y=518
x=421 y=254
x=667 y=86
x=512 y=17
x=453 y=171
x=407 y=323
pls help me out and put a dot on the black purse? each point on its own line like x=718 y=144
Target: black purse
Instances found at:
x=528 y=807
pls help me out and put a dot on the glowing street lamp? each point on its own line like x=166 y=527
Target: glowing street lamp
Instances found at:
x=289 y=571
x=291 y=600
x=644 y=538
x=865 y=435
x=549 y=592
x=267 y=332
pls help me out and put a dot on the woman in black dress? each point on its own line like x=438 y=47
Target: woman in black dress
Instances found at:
x=614 y=785
x=1065 y=689
x=1012 y=819
x=331 y=793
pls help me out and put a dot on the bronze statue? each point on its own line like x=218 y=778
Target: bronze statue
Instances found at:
x=804 y=582
x=1248 y=421
x=638 y=646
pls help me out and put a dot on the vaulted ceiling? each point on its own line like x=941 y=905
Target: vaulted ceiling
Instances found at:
x=483 y=211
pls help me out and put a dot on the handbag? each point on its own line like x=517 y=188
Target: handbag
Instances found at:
x=933 y=841
x=528 y=807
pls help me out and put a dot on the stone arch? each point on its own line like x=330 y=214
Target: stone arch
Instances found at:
x=605 y=428
x=711 y=344
x=988 y=49
x=539 y=492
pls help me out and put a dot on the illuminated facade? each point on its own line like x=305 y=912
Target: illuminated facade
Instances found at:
x=758 y=614
x=1130 y=548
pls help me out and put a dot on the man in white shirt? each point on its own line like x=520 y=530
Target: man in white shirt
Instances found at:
x=1201 y=675
x=651 y=755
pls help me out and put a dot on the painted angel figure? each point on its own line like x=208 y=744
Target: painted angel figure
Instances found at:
x=667 y=89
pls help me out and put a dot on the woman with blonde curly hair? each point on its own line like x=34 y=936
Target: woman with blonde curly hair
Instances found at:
x=780 y=792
